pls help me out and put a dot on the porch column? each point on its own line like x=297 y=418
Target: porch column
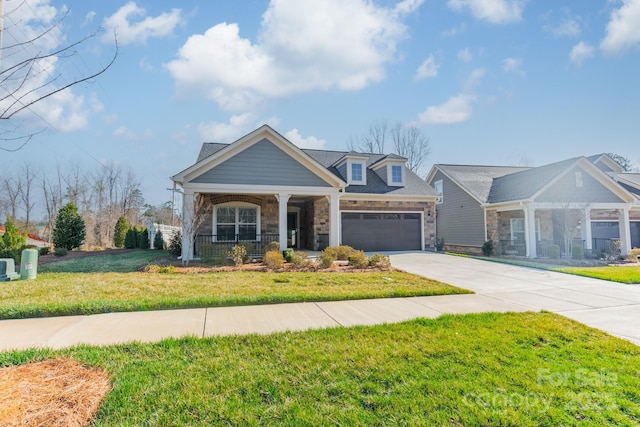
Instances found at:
x=334 y=219
x=625 y=230
x=586 y=229
x=282 y=198
x=530 y=231
x=187 y=226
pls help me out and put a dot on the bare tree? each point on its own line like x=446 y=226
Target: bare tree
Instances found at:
x=409 y=142
x=29 y=71
x=52 y=195
x=373 y=141
x=198 y=210
x=26 y=179
x=12 y=189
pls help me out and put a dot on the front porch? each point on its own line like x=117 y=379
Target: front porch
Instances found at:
x=256 y=220
x=567 y=232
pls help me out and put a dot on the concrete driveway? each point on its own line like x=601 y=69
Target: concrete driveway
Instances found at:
x=609 y=306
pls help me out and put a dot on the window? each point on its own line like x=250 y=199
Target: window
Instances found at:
x=236 y=222
x=356 y=172
x=517 y=230
x=438 y=187
x=396 y=174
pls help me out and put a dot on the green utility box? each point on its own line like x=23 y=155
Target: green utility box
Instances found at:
x=29 y=264
x=8 y=270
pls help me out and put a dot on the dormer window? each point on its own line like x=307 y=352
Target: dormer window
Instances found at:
x=356 y=172
x=396 y=175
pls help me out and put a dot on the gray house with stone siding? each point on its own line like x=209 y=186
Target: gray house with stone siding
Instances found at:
x=584 y=201
x=262 y=188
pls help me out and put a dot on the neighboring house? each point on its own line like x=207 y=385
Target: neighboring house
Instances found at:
x=32 y=239
x=263 y=188
x=586 y=201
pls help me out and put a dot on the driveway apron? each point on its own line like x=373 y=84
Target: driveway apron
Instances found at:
x=609 y=306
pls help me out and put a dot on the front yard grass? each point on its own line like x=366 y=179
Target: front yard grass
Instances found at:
x=58 y=294
x=622 y=274
x=524 y=369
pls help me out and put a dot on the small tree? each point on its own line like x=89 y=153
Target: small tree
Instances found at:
x=143 y=238
x=120 y=232
x=69 y=230
x=11 y=242
x=158 y=241
x=131 y=238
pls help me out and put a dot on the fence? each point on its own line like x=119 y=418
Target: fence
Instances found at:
x=208 y=246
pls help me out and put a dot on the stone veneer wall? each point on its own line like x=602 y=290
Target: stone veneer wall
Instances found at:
x=492 y=225
x=320 y=208
x=428 y=208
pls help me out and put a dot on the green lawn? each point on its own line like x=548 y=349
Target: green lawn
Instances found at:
x=85 y=288
x=629 y=275
x=100 y=263
x=524 y=369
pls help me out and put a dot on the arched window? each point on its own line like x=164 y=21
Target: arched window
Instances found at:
x=236 y=221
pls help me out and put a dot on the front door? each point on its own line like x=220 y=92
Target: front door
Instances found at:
x=293 y=237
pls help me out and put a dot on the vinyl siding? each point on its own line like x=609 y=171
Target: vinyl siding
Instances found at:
x=261 y=164
x=566 y=191
x=460 y=219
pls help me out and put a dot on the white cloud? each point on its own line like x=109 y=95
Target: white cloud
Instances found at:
x=128 y=31
x=456 y=110
x=512 y=65
x=88 y=18
x=453 y=31
x=406 y=7
x=569 y=27
x=623 y=29
x=237 y=126
x=580 y=53
x=64 y=111
x=309 y=142
x=465 y=55
x=338 y=44
x=493 y=11
x=123 y=132
x=427 y=69
x=474 y=79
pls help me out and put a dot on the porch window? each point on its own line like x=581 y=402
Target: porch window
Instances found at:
x=232 y=221
x=518 y=232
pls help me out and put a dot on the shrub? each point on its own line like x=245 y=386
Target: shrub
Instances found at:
x=358 y=260
x=288 y=254
x=143 y=238
x=167 y=269
x=237 y=254
x=69 y=229
x=577 y=252
x=634 y=255
x=553 y=251
x=299 y=258
x=327 y=257
x=273 y=260
x=344 y=252
x=158 y=241
x=12 y=242
x=208 y=253
x=120 y=232
x=439 y=244
x=60 y=251
x=379 y=261
x=44 y=251
x=131 y=238
x=175 y=244
x=272 y=246
x=487 y=248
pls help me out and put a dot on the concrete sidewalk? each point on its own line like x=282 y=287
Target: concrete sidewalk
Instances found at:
x=612 y=307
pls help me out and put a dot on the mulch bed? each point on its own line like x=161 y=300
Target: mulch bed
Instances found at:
x=57 y=392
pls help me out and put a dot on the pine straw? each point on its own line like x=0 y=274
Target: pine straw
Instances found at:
x=58 y=392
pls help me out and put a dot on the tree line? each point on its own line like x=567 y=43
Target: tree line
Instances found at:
x=32 y=196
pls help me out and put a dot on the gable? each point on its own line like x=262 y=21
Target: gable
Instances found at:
x=263 y=163
x=565 y=190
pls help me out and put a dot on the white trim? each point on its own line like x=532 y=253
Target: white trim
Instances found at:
x=440 y=198
x=260 y=189
x=387 y=197
x=390 y=180
x=421 y=213
x=363 y=171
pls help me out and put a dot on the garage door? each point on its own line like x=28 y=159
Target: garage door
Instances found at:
x=382 y=231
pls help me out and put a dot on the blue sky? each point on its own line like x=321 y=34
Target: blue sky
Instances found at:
x=488 y=81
